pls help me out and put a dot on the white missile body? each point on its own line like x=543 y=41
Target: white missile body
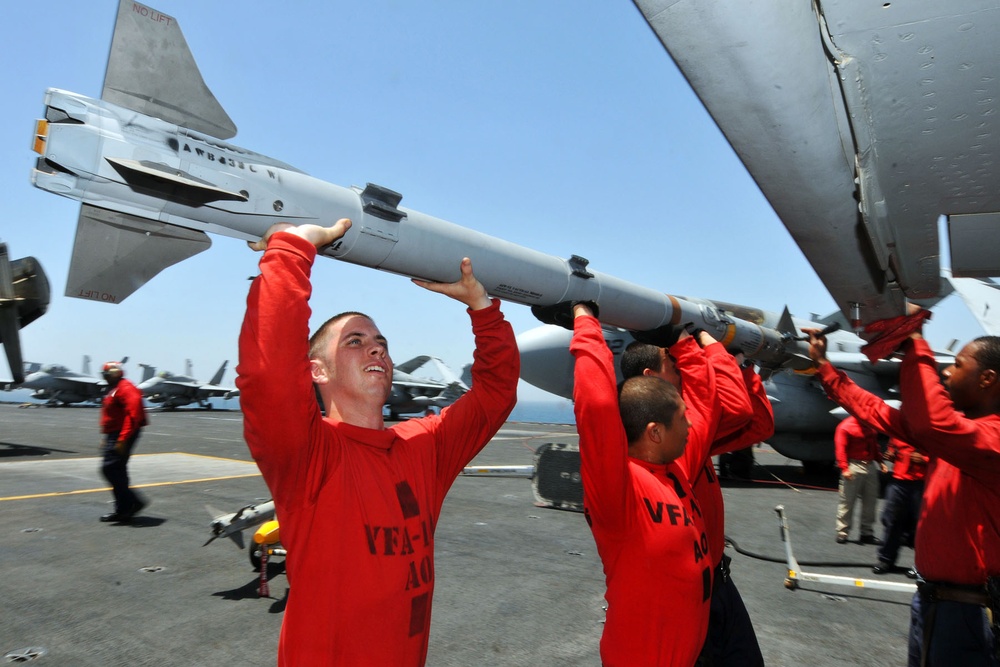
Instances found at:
x=151 y=187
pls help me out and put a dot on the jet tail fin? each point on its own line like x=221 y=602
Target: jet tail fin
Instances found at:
x=147 y=372
x=116 y=253
x=217 y=378
x=151 y=70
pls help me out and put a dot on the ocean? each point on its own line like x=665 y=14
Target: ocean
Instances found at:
x=556 y=411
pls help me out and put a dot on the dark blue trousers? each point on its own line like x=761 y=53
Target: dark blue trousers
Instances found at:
x=960 y=634
x=899 y=517
x=731 y=640
x=115 y=469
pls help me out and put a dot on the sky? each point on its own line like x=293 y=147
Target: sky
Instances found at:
x=559 y=125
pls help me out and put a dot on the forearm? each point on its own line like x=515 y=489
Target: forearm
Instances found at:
x=603 y=447
x=276 y=391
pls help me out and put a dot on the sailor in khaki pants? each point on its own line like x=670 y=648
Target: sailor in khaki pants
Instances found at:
x=859 y=460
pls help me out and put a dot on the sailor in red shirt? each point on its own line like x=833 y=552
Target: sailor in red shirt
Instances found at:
x=957 y=424
x=122 y=417
x=860 y=461
x=901 y=509
x=646 y=522
x=357 y=502
x=731 y=638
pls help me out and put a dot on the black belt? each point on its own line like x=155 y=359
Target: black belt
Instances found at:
x=935 y=591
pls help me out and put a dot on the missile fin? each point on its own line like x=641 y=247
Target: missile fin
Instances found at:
x=115 y=253
x=151 y=70
x=786 y=325
x=170 y=183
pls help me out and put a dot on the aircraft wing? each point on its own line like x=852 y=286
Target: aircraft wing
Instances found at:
x=862 y=123
x=215 y=390
x=414 y=383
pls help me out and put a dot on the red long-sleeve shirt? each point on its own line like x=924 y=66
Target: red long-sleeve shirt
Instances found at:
x=903 y=466
x=854 y=441
x=706 y=487
x=646 y=523
x=122 y=410
x=958 y=532
x=357 y=506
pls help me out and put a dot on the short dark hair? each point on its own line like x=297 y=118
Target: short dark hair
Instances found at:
x=643 y=399
x=638 y=357
x=987 y=352
x=318 y=340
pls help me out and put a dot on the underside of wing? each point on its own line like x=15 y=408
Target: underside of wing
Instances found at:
x=862 y=123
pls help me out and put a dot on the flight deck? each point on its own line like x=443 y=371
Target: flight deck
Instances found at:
x=517 y=584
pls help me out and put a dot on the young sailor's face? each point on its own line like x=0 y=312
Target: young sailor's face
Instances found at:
x=359 y=358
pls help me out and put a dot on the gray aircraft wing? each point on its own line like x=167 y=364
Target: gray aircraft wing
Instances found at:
x=863 y=124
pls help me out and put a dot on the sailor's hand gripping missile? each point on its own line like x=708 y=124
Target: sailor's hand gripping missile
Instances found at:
x=318 y=236
x=466 y=289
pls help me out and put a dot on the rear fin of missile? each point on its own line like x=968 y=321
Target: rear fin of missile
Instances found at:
x=786 y=325
x=169 y=183
x=151 y=70
x=115 y=253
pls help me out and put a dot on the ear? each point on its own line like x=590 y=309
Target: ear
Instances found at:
x=654 y=432
x=987 y=378
x=318 y=371
x=648 y=372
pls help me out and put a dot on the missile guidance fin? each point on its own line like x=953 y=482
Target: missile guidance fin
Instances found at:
x=171 y=184
x=151 y=70
x=115 y=253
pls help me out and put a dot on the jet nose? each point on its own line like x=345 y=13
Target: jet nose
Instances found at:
x=546 y=361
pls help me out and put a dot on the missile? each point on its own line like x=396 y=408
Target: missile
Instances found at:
x=232 y=525
x=152 y=187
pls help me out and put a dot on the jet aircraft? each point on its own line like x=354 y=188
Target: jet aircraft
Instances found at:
x=58 y=385
x=412 y=393
x=172 y=391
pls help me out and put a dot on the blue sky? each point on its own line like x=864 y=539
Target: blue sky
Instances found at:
x=562 y=126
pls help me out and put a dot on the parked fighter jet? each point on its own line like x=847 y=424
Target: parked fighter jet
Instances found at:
x=24 y=297
x=412 y=393
x=171 y=391
x=60 y=386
